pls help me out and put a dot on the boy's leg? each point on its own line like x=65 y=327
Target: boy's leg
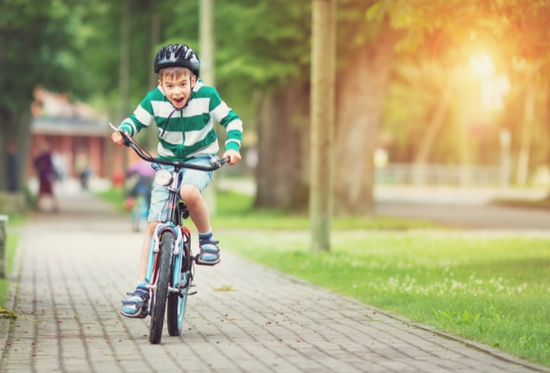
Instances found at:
x=193 y=183
x=151 y=226
x=198 y=210
x=133 y=306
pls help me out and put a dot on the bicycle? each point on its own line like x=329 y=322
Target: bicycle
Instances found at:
x=170 y=268
x=139 y=207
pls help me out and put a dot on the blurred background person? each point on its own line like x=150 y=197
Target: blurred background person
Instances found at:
x=45 y=170
x=83 y=169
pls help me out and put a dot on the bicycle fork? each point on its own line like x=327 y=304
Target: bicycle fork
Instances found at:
x=182 y=265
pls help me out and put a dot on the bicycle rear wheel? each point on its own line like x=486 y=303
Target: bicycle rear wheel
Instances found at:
x=160 y=293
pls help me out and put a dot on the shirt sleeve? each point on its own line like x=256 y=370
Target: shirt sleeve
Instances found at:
x=233 y=125
x=141 y=118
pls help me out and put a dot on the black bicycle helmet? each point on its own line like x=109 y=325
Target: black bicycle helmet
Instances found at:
x=177 y=55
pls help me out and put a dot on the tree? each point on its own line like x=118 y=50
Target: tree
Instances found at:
x=323 y=57
x=264 y=61
x=365 y=65
x=35 y=47
x=392 y=26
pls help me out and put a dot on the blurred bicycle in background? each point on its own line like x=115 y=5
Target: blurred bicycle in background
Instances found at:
x=139 y=185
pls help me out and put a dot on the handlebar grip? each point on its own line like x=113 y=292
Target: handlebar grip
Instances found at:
x=125 y=138
x=216 y=162
x=126 y=141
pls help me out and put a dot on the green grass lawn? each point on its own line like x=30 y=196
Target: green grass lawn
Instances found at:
x=235 y=211
x=494 y=288
x=490 y=287
x=12 y=242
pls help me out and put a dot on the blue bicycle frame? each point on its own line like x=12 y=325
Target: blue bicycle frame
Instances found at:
x=182 y=243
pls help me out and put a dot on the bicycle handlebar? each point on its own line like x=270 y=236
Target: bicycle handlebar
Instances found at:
x=215 y=162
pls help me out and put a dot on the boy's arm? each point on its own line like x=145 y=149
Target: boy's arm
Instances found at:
x=232 y=124
x=141 y=118
x=234 y=128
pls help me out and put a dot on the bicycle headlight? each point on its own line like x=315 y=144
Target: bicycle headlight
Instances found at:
x=163 y=177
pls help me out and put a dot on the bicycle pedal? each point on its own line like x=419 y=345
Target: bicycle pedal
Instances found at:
x=192 y=293
x=144 y=312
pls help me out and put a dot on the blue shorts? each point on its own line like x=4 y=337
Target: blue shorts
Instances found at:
x=159 y=195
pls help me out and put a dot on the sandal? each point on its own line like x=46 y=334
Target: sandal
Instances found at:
x=136 y=305
x=209 y=254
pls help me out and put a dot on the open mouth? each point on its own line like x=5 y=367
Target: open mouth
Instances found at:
x=179 y=101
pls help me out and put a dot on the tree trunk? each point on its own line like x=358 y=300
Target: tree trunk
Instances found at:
x=24 y=136
x=206 y=39
x=323 y=66
x=5 y=126
x=16 y=129
x=299 y=200
x=125 y=70
x=361 y=93
x=152 y=134
x=277 y=171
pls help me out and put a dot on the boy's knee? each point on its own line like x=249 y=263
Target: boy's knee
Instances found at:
x=190 y=193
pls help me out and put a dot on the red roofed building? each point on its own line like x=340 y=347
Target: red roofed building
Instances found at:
x=76 y=132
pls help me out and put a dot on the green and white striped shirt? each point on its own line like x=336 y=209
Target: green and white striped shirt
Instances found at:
x=189 y=132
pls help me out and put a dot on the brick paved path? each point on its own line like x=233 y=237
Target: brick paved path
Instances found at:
x=74 y=267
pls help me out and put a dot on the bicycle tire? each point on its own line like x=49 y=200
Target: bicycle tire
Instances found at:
x=177 y=304
x=160 y=293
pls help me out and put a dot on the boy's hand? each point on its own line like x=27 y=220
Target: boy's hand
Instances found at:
x=234 y=156
x=117 y=138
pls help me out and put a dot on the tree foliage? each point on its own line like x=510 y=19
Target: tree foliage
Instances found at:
x=263 y=56
x=36 y=48
x=34 y=36
x=445 y=35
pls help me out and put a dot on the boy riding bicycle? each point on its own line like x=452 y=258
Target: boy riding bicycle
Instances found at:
x=184 y=109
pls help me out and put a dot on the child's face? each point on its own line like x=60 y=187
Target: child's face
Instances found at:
x=178 y=88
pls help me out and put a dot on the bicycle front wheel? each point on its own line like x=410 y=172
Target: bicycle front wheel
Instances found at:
x=160 y=292
x=177 y=304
